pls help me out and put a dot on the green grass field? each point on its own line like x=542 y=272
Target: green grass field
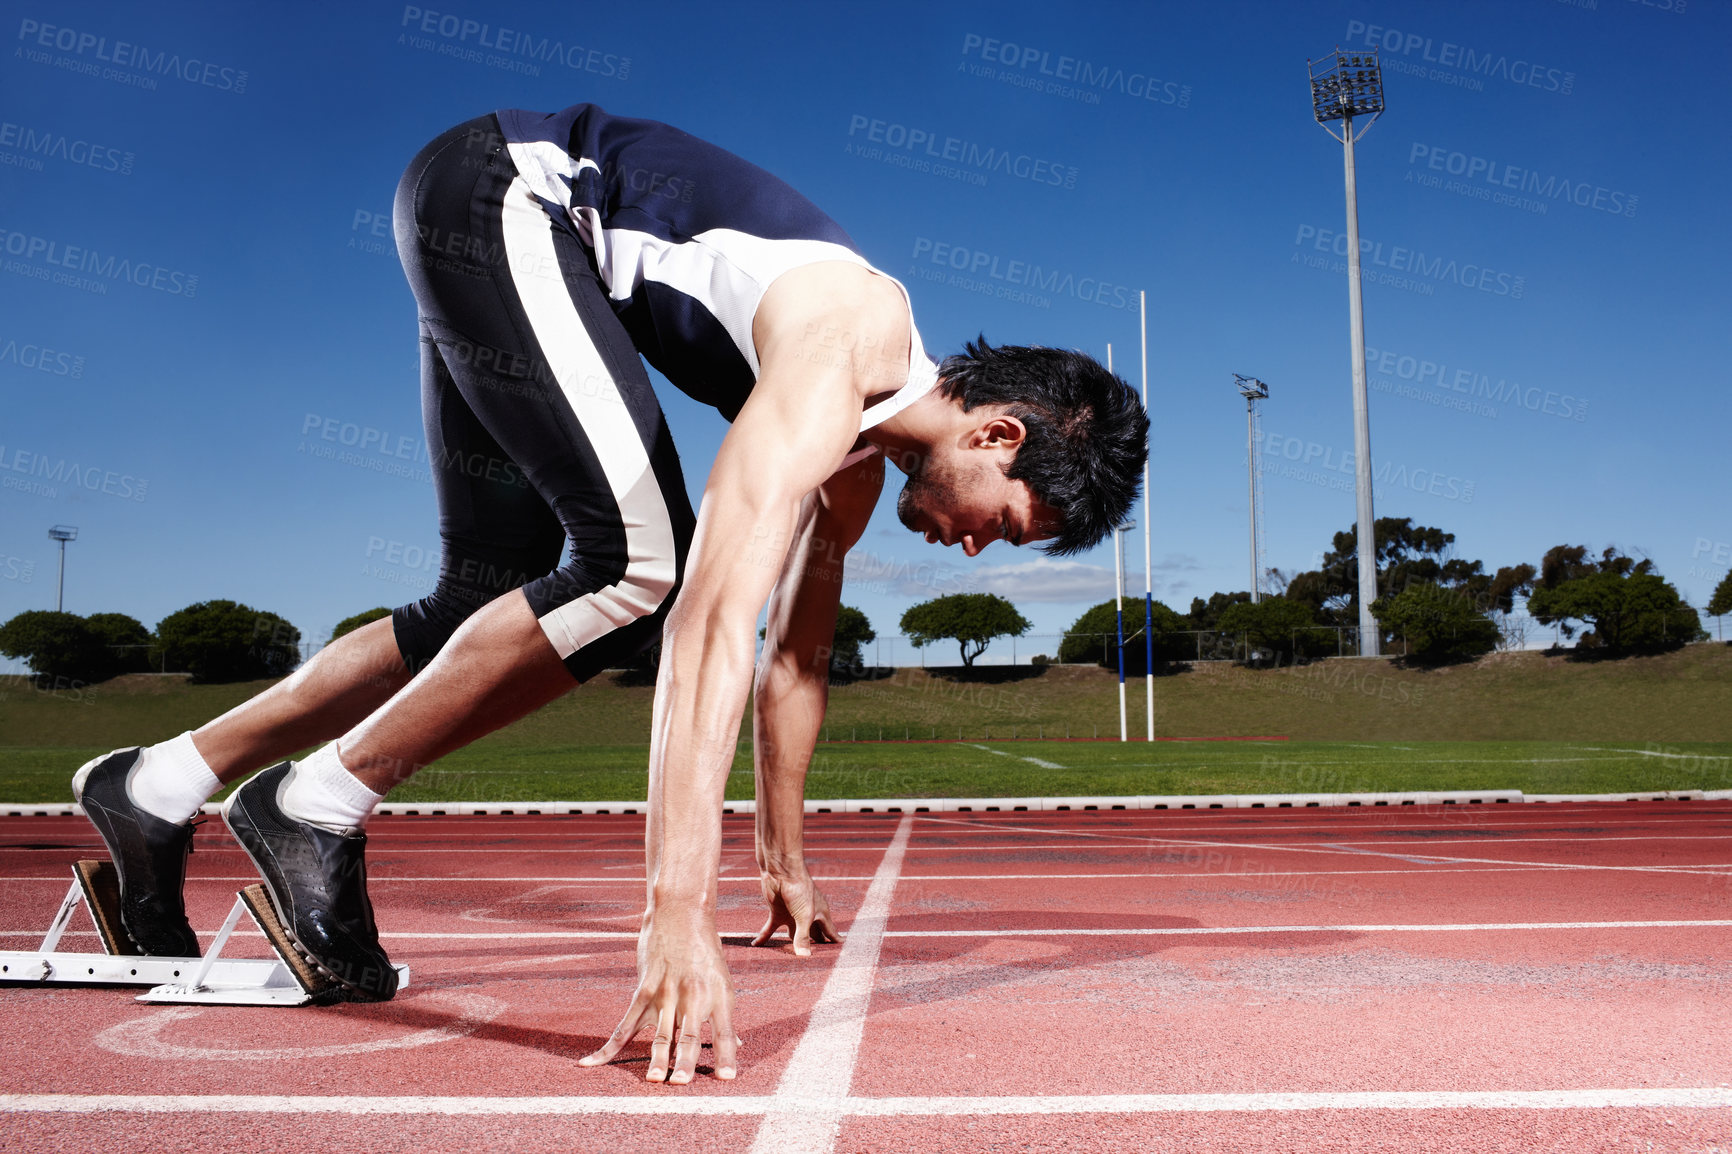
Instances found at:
x=1034 y=769
x=1538 y=723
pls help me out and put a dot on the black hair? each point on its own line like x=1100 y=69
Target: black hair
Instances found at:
x=1087 y=433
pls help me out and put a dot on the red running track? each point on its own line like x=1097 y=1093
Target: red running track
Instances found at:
x=1517 y=977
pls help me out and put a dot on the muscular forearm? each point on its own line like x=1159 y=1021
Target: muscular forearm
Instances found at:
x=705 y=675
x=789 y=709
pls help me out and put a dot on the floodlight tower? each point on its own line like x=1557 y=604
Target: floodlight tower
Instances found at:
x=1253 y=391
x=62 y=534
x=1345 y=85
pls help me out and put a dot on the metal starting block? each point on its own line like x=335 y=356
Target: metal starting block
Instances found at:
x=286 y=980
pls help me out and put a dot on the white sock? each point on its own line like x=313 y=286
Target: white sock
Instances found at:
x=322 y=793
x=172 y=780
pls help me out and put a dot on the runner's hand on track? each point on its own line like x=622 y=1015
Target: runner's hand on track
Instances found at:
x=683 y=982
x=795 y=902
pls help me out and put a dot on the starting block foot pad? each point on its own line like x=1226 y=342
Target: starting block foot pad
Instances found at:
x=320 y=989
x=288 y=979
x=100 y=882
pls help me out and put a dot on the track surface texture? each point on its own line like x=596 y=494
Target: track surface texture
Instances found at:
x=1509 y=977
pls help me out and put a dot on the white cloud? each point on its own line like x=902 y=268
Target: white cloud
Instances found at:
x=1067 y=581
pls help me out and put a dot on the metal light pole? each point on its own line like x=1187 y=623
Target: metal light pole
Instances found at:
x=1148 y=528
x=1119 y=585
x=1345 y=85
x=1253 y=391
x=62 y=534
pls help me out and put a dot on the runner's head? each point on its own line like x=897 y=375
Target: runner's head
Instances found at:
x=1055 y=451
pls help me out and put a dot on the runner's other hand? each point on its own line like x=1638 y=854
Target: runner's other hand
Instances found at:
x=795 y=902
x=683 y=982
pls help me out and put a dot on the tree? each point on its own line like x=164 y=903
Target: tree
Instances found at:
x=971 y=620
x=1629 y=606
x=1408 y=556
x=853 y=630
x=58 y=646
x=1275 y=624
x=125 y=639
x=1720 y=603
x=228 y=641
x=1083 y=641
x=365 y=617
x=1207 y=614
x=1440 y=624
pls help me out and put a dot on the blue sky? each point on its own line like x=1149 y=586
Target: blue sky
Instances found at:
x=1546 y=292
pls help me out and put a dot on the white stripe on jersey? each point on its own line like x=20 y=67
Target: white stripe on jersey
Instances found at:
x=724 y=270
x=589 y=388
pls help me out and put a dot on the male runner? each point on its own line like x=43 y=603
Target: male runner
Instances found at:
x=549 y=255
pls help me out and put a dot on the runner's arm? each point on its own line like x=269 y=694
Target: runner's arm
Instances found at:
x=791 y=690
x=793 y=432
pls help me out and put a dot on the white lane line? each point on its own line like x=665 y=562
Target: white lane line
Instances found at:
x=830 y=1043
x=1205 y=931
x=1383 y=853
x=1679 y=1098
x=141 y=1037
x=1246 y=845
x=806 y=1113
x=1019 y=757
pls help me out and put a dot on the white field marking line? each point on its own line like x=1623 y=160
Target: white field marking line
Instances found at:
x=1243 y=845
x=1019 y=757
x=1209 y=931
x=1646 y=1098
x=806 y=1111
x=1657 y=753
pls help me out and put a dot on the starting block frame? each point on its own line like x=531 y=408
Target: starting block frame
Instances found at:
x=285 y=980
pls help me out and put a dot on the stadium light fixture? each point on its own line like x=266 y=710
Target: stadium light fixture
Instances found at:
x=1345 y=85
x=62 y=534
x=1253 y=391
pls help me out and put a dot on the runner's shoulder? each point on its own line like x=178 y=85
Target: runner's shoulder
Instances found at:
x=835 y=314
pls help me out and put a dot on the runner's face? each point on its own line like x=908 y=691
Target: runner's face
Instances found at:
x=964 y=498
